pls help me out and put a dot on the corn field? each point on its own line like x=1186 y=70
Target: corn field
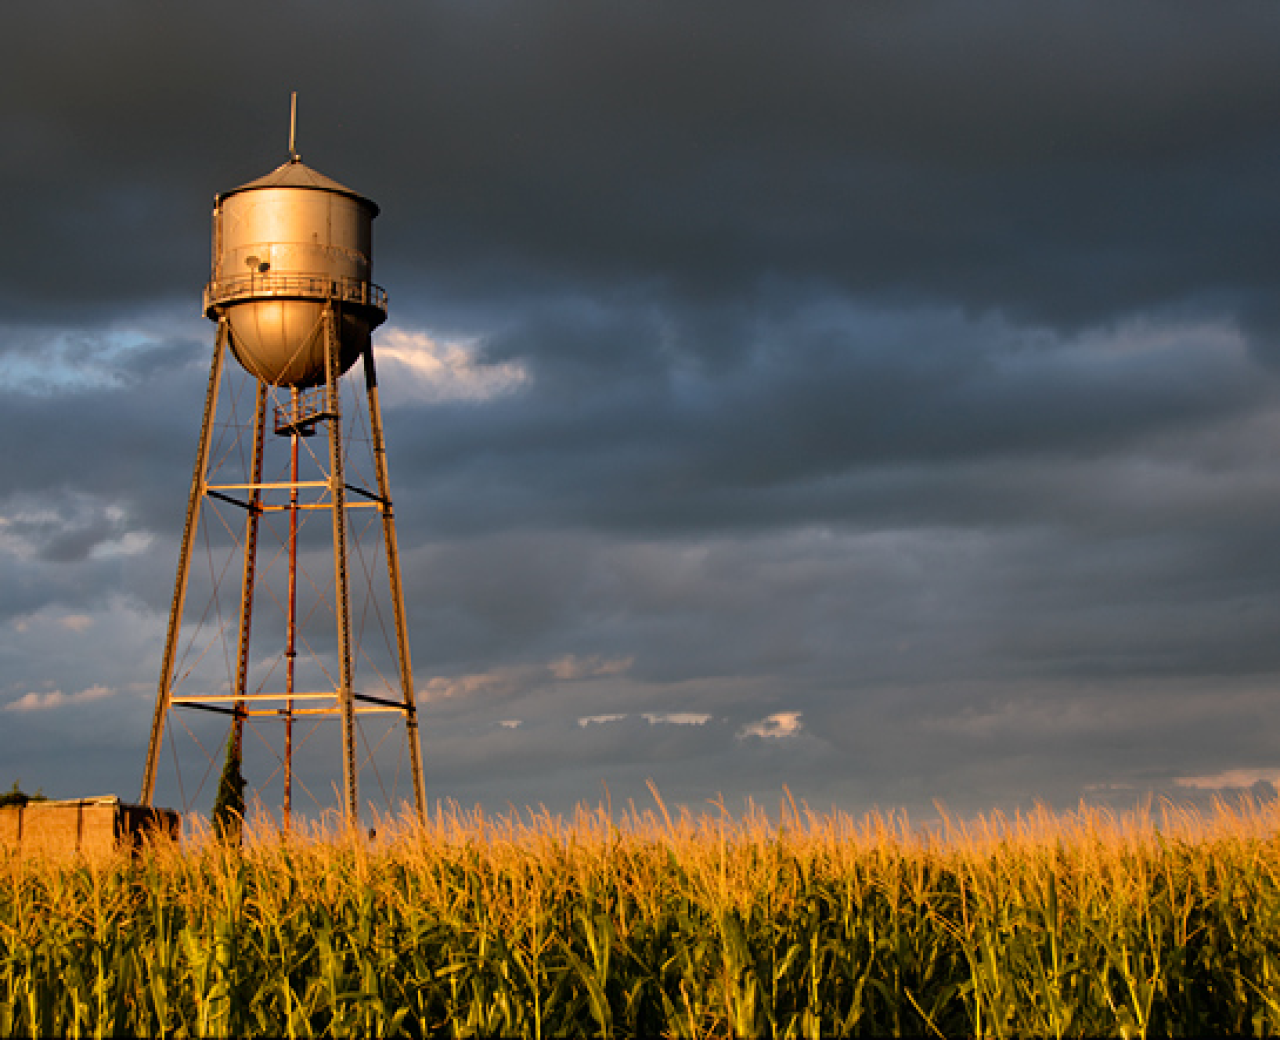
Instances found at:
x=657 y=923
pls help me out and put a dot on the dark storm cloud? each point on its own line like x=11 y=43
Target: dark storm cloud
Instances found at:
x=830 y=414
x=900 y=372
x=1062 y=163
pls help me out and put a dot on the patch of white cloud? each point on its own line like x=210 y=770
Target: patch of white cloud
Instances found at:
x=133 y=543
x=515 y=679
x=414 y=367
x=668 y=718
x=15 y=536
x=499 y=681
x=34 y=701
x=31 y=522
x=48 y=620
x=599 y=720
x=1230 y=779
x=571 y=667
x=780 y=724
x=68 y=361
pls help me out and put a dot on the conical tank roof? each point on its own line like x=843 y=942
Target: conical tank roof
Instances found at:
x=297 y=174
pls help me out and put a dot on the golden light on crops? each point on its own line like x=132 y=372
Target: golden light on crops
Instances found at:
x=657 y=921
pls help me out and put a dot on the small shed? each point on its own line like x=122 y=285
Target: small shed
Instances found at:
x=82 y=826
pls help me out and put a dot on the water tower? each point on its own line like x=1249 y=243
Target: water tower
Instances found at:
x=292 y=297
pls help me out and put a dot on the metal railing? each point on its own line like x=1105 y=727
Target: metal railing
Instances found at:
x=303 y=412
x=295 y=286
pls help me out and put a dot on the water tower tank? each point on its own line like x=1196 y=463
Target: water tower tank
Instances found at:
x=283 y=246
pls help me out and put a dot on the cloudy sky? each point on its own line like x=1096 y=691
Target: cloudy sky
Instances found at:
x=876 y=399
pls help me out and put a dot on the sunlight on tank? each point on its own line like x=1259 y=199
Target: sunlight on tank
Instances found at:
x=283 y=245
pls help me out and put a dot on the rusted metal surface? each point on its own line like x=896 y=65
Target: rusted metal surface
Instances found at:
x=296 y=430
x=342 y=593
x=248 y=574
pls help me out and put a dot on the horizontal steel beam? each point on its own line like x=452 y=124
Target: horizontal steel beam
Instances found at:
x=205 y=707
x=231 y=697
x=369 y=699
x=276 y=486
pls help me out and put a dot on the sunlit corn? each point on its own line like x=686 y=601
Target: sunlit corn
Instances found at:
x=661 y=922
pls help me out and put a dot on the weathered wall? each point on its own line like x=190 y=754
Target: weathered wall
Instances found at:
x=89 y=828
x=10 y=827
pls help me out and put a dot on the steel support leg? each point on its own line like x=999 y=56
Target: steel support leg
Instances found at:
x=341 y=593
x=250 y=566
x=291 y=610
x=397 y=589
x=198 y=480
